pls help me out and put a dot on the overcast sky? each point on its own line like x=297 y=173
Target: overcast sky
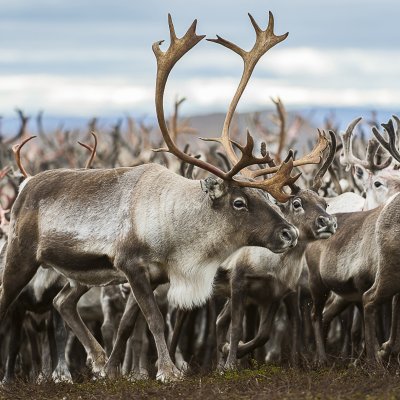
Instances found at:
x=84 y=58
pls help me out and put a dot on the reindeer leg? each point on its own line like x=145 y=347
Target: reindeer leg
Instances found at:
x=382 y=290
x=293 y=312
x=223 y=321
x=267 y=315
x=332 y=310
x=17 y=318
x=125 y=330
x=238 y=300
x=357 y=334
x=16 y=275
x=179 y=320
x=107 y=327
x=66 y=304
x=392 y=346
x=319 y=294
x=61 y=373
x=140 y=284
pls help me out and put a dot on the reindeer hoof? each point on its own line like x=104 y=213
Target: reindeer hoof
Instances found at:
x=61 y=375
x=97 y=365
x=110 y=371
x=385 y=351
x=225 y=349
x=169 y=375
x=135 y=376
x=231 y=366
x=321 y=362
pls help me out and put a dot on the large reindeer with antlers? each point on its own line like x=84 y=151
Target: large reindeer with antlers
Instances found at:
x=99 y=227
x=359 y=263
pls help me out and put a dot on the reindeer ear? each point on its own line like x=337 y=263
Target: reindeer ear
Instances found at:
x=215 y=188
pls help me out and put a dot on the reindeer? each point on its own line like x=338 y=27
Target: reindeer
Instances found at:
x=378 y=181
x=250 y=59
x=256 y=275
x=108 y=226
x=38 y=295
x=359 y=264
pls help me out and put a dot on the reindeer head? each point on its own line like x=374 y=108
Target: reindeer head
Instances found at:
x=378 y=181
x=235 y=196
x=307 y=210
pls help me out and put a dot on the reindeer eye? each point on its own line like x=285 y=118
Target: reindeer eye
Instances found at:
x=296 y=203
x=378 y=184
x=239 y=204
x=359 y=172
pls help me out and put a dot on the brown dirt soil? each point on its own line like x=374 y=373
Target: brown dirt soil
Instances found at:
x=266 y=382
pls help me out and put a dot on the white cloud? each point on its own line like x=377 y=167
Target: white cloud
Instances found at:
x=300 y=76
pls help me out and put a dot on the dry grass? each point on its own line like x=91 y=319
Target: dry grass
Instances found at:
x=266 y=382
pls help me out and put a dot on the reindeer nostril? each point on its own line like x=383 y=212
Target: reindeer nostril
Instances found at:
x=322 y=222
x=286 y=235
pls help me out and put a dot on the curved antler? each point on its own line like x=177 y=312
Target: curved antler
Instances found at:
x=348 y=159
x=265 y=40
x=389 y=145
x=314 y=157
x=317 y=181
x=91 y=149
x=166 y=61
x=17 y=154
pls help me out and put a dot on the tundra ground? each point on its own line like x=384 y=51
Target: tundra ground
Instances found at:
x=266 y=382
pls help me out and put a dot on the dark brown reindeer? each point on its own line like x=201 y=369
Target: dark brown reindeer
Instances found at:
x=99 y=227
x=254 y=275
x=360 y=263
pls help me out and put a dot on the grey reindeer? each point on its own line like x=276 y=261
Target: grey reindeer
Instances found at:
x=136 y=224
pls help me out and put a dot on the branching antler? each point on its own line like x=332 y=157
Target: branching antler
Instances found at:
x=389 y=145
x=348 y=159
x=314 y=157
x=91 y=149
x=165 y=62
x=17 y=154
x=265 y=40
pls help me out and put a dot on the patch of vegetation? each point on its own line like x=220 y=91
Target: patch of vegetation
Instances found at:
x=260 y=382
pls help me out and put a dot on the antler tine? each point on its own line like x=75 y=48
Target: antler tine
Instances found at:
x=4 y=171
x=17 y=154
x=247 y=157
x=389 y=145
x=282 y=129
x=165 y=62
x=314 y=157
x=265 y=40
x=347 y=158
x=91 y=149
x=372 y=148
x=317 y=181
x=397 y=119
x=277 y=182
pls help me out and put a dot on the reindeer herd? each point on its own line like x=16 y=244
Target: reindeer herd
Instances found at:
x=161 y=266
